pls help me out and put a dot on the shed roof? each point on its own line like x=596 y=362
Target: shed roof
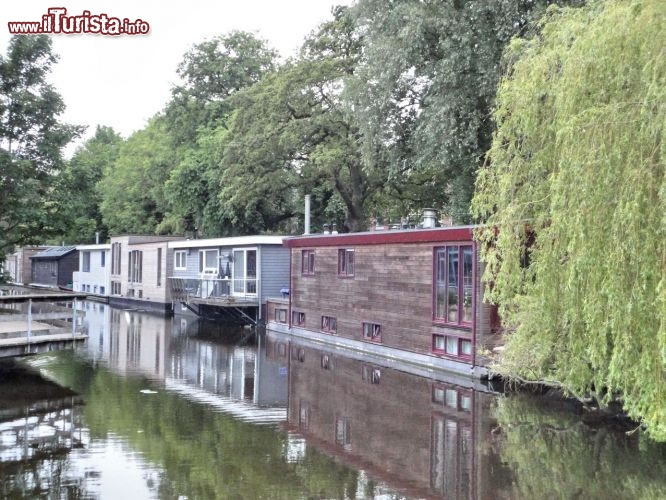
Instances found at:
x=54 y=252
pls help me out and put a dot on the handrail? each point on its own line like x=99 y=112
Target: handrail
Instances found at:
x=183 y=289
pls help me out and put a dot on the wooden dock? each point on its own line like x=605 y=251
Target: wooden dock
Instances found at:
x=22 y=334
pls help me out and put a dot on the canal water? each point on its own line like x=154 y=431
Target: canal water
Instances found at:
x=183 y=409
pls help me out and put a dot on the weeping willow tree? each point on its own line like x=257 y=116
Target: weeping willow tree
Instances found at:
x=574 y=197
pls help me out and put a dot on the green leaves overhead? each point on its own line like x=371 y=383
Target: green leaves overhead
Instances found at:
x=577 y=176
x=31 y=142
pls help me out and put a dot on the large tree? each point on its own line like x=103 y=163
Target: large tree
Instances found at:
x=197 y=117
x=31 y=142
x=426 y=91
x=78 y=187
x=294 y=134
x=574 y=199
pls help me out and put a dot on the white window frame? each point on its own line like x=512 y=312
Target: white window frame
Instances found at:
x=180 y=255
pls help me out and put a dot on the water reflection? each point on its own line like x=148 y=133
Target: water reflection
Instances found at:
x=182 y=408
x=420 y=436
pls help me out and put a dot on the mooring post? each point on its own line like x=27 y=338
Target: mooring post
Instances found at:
x=29 y=319
x=74 y=319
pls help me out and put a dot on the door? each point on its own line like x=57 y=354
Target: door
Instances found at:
x=245 y=272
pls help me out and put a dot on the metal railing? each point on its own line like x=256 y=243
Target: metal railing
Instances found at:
x=224 y=289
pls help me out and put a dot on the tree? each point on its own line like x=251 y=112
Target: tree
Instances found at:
x=197 y=117
x=426 y=90
x=132 y=189
x=574 y=198
x=77 y=187
x=293 y=134
x=31 y=141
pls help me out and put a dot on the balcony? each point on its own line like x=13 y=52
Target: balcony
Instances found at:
x=215 y=291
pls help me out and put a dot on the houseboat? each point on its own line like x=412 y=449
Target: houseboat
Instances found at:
x=414 y=295
x=139 y=268
x=18 y=265
x=93 y=274
x=229 y=278
x=55 y=266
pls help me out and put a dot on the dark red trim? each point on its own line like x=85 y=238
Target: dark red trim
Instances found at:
x=448 y=234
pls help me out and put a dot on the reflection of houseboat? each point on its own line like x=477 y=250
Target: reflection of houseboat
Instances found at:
x=413 y=294
x=417 y=435
x=229 y=277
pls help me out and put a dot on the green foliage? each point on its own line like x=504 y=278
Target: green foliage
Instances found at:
x=77 y=188
x=551 y=453
x=293 y=134
x=576 y=175
x=426 y=89
x=31 y=142
x=132 y=189
x=197 y=118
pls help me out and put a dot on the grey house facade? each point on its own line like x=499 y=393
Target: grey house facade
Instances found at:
x=232 y=275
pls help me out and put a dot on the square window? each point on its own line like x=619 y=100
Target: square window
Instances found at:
x=465 y=347
x=372 y=331
x=281 y=315
x=329 y=324
x=298 y=318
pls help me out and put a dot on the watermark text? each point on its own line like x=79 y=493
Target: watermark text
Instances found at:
x=56 y=21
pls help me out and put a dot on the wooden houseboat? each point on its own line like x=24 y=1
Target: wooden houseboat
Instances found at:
x=139 y=269
x=229 y=277
x=18 y=265
x=55 y=266
x=414 y=294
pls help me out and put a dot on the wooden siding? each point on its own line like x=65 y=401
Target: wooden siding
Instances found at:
x=274 y=272
x=401 y=455
x=392 y=286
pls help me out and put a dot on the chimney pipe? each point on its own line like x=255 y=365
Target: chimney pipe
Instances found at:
x=429 y=218
x=97 y=238
x=307 y=214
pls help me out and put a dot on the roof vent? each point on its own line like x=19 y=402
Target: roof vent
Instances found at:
x=429 y=218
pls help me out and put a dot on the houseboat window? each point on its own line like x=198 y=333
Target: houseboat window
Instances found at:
x=116 y=258
x=208 y=261
x=159 y=267
x=342 y=434
x=372 y=331
x=346 y=262
x=307 y=262
x=85 y=262
x=281 y=315
x=180 y=260
x=329 y=324
x=298 y=318
x=453 y=346
x=454 y=285
x=102 y=259
x=135 y=268
x=371 y=374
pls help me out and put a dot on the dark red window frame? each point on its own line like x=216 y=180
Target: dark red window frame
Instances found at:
x=460 y=285
x=372 y=331
x=346 y=260
x=459 y=341
x=308 y=262
x=329 y=324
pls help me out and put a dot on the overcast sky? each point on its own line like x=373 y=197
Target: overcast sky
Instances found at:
x=123 y=81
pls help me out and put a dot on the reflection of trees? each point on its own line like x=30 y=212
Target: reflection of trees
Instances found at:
x=553 y=454
x=206 y=454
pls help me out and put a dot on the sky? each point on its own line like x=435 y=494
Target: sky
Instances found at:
x=122 y=81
